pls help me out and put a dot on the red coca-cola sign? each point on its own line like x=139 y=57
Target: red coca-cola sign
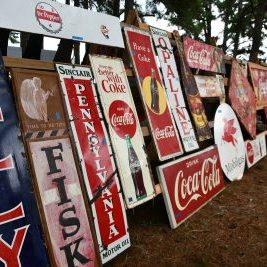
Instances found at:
x=250 y=153
x=189 y=183
x=122 y=119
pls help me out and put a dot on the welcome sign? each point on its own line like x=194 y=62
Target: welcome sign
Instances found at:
x=92 y=143
x=173 y=89
x=189 y=183
x=124 y=128
x=153 y=93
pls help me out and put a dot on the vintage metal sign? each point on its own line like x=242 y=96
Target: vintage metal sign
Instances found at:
x=62 y=202
x=54 y=19
x=203 y=56
x=230 y=142
x=189 y=183
x=125 y=131
x=98 y=168
x=243 y=99
x=258 y=75
x=210 y=86
x=21 y=243
x=255 y=150
x=194 y=101
x=39 y=103
x=173 y=89
x=153 y=93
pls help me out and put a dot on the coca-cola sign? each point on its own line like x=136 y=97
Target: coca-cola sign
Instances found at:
x=153 y=94
x=189 y=183
x=125 y=130
x=203 y=56
x=122 y=118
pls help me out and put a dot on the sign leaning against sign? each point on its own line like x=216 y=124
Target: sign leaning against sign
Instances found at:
x=230 y=142
x=243 y=99
x=153 y=94
x=92 y=143
x=57 y=184
x=189 y=183
x=62 y=21
x=21 y=243
x=203 y=56
x=125 y=131
x=173 y=88
x=193 y=98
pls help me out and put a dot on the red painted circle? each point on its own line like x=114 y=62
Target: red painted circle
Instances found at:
x=122 y=119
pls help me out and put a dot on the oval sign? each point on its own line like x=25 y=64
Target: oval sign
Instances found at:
x=229 y=139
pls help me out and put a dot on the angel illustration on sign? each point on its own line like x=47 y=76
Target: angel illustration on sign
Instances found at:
x=34 y=99
x=229 y=131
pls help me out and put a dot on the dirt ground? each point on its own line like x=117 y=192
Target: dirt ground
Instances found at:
x=231 y=230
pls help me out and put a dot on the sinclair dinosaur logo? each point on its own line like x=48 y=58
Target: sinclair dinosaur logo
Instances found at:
x=48 y=17
x=229 y=132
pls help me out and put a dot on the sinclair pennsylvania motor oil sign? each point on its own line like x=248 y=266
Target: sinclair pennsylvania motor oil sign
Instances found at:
x=189 y=183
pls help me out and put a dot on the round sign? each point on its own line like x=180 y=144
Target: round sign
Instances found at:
x=229 y=140
x=122 y=119
x=48 y=17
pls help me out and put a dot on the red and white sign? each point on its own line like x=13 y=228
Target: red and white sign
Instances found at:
x=210 y=86
x=258 y=75
x=173 y=88
x=98 y=167
x=125 y=130
x=189 y=183
x=153 y=93
x=243 y=99
x=62 y=202
x=55 y=19
x=255 y=150
x=203 y=56
x=230 y=142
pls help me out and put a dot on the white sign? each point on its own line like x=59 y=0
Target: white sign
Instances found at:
x=125 y=130
x=53 y=19
x=255 y=150
x=173 y=88
x=230 y=142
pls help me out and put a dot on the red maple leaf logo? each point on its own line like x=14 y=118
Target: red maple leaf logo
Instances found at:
x=229 y=131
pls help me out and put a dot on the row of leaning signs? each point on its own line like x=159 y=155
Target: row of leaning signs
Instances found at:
x=71 y=140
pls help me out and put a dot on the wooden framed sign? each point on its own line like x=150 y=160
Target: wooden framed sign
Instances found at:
x=210 y=86
x=21 y=242
x=189 y=183
x=39 y=103
x=243 y=99
x=230 y=142
x=153 y=94
x=124 y=128
x=173 y=89
x=258 y=75
x=59 y=189
x=193 y=98
x=203 y=56
x=255 y=150
x=51 y=18
x=92 y=143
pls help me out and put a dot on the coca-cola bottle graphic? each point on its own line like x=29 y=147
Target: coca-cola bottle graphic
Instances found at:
x=154 y=92
x=136 y=170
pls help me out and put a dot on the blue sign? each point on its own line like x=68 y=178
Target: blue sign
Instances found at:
x=21 y=242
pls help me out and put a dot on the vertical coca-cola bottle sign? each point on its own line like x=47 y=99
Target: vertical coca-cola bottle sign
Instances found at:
x=173 y=88
x=153 y=93
x=125 y=131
